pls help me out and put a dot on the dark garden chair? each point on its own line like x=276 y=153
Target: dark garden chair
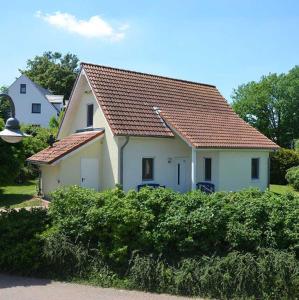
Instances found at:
x=206 y=187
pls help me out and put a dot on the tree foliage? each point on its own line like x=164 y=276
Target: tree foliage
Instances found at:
x=292 y=177
x=13 y=156
x=53 y=71
x=55 y=123
x=11 y=159
x=5 y=109
x=281 y=161
x=271 y=105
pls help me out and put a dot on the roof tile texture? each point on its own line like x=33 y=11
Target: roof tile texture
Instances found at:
x=198 y=112
x=64 y=147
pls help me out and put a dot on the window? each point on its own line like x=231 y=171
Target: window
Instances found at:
x=208 y=169
x=255 y=168
x=36 y=108
x=89 y=115
x=22 y=88
x=147 y=168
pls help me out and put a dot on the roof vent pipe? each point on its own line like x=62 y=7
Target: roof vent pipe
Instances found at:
x=157 y=110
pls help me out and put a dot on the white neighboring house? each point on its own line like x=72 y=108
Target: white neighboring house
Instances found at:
x=130 y=128
x=34 y=104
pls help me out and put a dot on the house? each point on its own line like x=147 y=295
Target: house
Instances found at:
x=130 y=128
x=34 y=104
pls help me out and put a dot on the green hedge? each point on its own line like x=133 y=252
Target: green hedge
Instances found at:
x=281 y=161
x=292 y=177
x=162 y=222
x=21 y=246
x=269 y=274
x=162 y=241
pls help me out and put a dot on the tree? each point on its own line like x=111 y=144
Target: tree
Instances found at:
x=54 y=71
x=271 y=105
x=11 y=159
x=13 y=156
x=55 y=123
x=5 y=109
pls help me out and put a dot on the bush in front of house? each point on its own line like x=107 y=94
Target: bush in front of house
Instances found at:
x=223 y=245
x=268 y=274
x=13 y=156
x=281 y=161
x=21 y=246
x=113 y=224
x=292 y=177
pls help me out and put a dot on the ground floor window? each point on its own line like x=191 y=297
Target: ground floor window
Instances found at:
x=147 y=168
x=208 y=169
x=255 y=168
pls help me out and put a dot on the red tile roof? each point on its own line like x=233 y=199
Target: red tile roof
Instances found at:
x=198 y=112
x=64 y=147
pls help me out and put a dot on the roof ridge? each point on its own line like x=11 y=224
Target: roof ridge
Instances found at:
x=148 y=74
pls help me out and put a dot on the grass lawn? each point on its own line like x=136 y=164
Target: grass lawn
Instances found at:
x=282 y=189
x=19 y=195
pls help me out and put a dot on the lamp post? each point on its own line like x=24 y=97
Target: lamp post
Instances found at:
x=12 y=133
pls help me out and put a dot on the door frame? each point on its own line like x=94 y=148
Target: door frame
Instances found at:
x=98 y=174
x=186 y=185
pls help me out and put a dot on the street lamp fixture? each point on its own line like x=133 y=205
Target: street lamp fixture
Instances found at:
x=12 y=133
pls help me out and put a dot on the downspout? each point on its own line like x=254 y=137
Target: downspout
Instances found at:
x=121 y=160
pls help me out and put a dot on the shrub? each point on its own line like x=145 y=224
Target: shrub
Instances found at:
x=20 y=242
x=281 y=161
x=223 y=245
x=266 y=275
x=13 y=157
x=292 y=177
x=36 y=142
x=161 y=222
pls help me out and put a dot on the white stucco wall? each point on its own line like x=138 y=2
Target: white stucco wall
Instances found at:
x=235 y=169
x=68 y=171
x=49 y=178
x=70 y=168
x=161 y=149
x=231 y=169
x=214 y=155
x=76 y=119
x=23 y=103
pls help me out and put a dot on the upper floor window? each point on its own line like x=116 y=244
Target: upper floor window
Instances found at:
x=147 y=169
x=208 y=169
x=36 y=108
x=22 y=88
x=255 y=168
x=89 y=115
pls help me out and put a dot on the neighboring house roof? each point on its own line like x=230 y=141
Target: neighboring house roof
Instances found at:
x=138 y=104
x=64 y=147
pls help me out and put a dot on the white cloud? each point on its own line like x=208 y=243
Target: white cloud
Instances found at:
x=94 y=27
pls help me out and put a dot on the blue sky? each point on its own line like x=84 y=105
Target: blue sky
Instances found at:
x=225 y=42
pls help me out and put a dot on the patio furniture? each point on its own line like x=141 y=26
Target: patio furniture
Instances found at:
x=206 y=187
x=152 y=185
